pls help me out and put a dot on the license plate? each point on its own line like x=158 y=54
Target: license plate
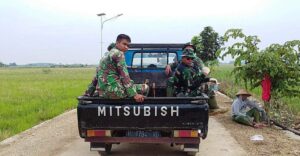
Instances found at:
x=143 y=134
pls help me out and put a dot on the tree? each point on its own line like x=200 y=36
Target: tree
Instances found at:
x=12 y=64
x=280 y=62
x=208 y=42
x=2 y=64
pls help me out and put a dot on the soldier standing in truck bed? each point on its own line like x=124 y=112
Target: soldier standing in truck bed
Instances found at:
x=113 y=77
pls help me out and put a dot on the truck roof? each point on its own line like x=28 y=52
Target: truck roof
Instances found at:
x=156 y=45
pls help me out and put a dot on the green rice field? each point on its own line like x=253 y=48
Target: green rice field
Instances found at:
x=29 y=96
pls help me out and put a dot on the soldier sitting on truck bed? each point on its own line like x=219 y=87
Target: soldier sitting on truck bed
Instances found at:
x=187 y=79
x=113 y=78
x=92 y=87
x=198 y=63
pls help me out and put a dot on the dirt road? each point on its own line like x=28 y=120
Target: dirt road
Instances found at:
x=59 y=137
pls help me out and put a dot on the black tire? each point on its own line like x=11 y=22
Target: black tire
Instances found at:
x=193 y=146
x=191 y=153
x=204 y=131
x=107 y=150
x=101 y=153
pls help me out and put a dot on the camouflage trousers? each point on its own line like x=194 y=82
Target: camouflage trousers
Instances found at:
x=172 y=91
x=118 y=91
x=170 y=87
x=91 y=87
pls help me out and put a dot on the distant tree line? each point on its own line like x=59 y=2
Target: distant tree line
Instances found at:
x=51 y=65
x=9 y=65
x=69 y=66
x=2 y=64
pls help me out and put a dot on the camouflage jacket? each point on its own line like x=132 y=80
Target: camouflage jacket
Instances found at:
x=197 y=64
x=113 y=73
x=183 y=78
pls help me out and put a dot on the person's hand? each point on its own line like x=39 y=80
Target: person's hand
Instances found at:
x=206 y=71
x=168 y=70
x=138 y=98
x=258 y=125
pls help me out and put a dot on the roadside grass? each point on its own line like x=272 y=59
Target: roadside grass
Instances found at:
x=29 y=96
x=230 y=87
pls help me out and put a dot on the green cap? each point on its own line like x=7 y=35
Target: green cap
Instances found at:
x=189 y=44
x=188 y=53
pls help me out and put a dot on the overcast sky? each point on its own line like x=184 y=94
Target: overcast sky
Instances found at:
x=68 y=31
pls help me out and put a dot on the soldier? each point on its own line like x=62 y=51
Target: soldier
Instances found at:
x=198 y=63
x=93 y=85
x=187 y=79
x=113 y=78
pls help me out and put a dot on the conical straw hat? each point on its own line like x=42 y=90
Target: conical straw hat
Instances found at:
x=242 y=92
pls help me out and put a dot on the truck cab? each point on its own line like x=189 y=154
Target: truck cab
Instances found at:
x=159 y=119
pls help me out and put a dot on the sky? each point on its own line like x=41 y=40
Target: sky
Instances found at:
x=68 y=31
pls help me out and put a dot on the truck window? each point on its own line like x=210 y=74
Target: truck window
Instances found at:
x=136 y=62
x=172 y=58
x=153 y=59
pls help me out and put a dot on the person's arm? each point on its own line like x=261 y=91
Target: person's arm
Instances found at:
x=170 y=67
x=118 y=58
x=236 y=108
x=168 y=70
x=198 y=62
x=253 y=104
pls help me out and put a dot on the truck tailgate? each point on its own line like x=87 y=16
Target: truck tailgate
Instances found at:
x=153 y=113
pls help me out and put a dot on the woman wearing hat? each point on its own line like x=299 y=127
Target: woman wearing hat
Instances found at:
x=247 y=112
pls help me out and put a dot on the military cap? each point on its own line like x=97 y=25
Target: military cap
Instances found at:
x=189 y=44
x=188 y=53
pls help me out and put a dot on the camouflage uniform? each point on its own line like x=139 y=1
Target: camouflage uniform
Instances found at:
x=197 y=62
x=92 y=87
x=113 y=77
x=186 y=80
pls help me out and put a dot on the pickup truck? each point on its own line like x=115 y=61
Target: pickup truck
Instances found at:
x=159 y=119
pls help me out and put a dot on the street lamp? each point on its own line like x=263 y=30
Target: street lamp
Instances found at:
x=102 y=23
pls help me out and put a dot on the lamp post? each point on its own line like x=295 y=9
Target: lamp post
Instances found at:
x=102 y=23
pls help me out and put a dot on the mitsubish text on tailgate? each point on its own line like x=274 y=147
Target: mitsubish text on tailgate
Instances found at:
x=138 y=111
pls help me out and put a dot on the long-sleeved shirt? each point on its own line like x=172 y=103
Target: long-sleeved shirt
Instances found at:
x=240 y=107
x=113 y=72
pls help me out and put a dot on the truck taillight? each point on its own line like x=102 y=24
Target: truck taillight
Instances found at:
x=98 y=133
x=186 y=133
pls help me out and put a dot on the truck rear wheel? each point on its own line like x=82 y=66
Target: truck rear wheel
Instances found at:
x=204 y=132
x=107 y=150
x=192 y=153
x=191 y=149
